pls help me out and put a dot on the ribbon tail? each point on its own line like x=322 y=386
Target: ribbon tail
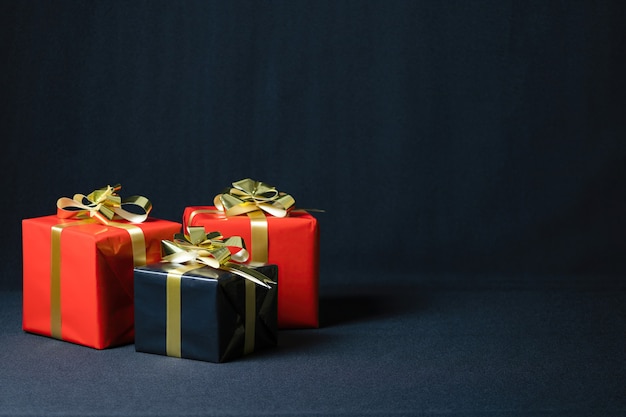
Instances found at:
x=76 y=207
x=247 y=273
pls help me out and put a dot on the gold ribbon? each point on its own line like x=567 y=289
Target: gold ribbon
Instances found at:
x=104 y=204
x=255 y=198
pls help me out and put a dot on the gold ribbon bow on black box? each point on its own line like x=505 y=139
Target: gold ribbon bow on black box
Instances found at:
x=211 y=249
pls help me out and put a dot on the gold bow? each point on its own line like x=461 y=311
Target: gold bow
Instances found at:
x=211 y=249
x=248 y=195
x=103 y=204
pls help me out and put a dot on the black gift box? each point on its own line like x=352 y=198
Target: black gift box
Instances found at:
x=216 y=316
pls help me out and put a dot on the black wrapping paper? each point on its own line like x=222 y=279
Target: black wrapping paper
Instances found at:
x=212 y=312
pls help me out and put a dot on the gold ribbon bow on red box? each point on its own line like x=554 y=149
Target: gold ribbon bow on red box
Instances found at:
x=104 y=204
x=247 y=196
x=255 y=198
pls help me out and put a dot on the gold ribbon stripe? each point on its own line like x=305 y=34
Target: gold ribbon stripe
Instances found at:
x=139 y=258
x=172 y=324
x=173 y=310
x=250 y=323
x=258 y=231
x=137 y=240
x=55 y=275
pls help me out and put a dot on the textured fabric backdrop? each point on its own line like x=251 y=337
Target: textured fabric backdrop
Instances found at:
x=439 y=136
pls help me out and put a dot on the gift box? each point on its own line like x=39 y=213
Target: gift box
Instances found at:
x=202 y=313
x=78 y=274
x=292 y=245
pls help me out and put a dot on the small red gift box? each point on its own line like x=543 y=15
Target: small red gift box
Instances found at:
x=78 y=273
x=293 y=245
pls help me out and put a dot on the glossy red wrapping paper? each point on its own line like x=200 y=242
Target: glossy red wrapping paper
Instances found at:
x=293 y=245
x=96 y=278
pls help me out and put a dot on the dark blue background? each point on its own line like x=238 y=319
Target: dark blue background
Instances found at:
x=439 y=136
x=470 y=156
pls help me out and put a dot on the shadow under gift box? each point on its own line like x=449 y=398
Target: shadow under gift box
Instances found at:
x=203 y=314
x=293 y=245
x=78 y=286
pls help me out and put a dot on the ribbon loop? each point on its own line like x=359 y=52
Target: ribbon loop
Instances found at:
x=104 y=204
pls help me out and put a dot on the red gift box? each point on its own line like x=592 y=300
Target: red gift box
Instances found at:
x=78 y=276
x=293 y=245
